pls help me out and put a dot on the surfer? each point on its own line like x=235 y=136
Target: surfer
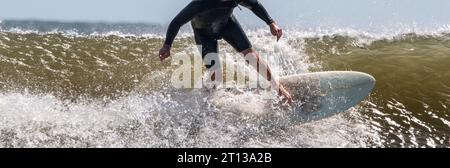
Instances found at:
x=212 y=20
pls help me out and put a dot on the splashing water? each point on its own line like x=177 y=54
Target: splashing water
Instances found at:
x=110 y=90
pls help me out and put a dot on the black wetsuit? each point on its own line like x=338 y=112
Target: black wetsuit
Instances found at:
x=213 y=20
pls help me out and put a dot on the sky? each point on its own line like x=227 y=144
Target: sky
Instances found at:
x=307 y=12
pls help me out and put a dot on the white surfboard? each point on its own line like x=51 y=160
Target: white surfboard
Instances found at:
x=324 y=94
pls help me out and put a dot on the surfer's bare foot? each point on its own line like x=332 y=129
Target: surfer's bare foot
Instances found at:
x=285 y=95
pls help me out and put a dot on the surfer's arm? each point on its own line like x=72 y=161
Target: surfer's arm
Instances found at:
x=181 y=19
x=262 y=13
x=258 y=10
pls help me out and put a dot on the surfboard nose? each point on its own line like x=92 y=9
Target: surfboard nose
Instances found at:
x=351 y=79
x=328 y=93
x=362 y=78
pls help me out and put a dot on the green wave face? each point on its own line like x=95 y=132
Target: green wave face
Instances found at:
x=112 y=91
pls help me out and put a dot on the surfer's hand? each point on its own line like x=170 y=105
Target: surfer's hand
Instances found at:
x=164 y=52
x=276 y=31
x=285 y=95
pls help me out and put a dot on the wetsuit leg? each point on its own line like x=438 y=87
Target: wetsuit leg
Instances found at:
x=208 y=46
x=235 y=35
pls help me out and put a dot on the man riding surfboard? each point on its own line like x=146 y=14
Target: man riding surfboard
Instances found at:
x=212 y=20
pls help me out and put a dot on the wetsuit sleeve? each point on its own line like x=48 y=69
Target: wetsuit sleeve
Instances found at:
x=256 y=7
x=186 y=15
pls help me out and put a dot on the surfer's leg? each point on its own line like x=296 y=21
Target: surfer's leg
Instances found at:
x=236 y=37
x=208 y=46
x=260 y=65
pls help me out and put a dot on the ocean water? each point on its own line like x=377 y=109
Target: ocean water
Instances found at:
x=102 y=85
